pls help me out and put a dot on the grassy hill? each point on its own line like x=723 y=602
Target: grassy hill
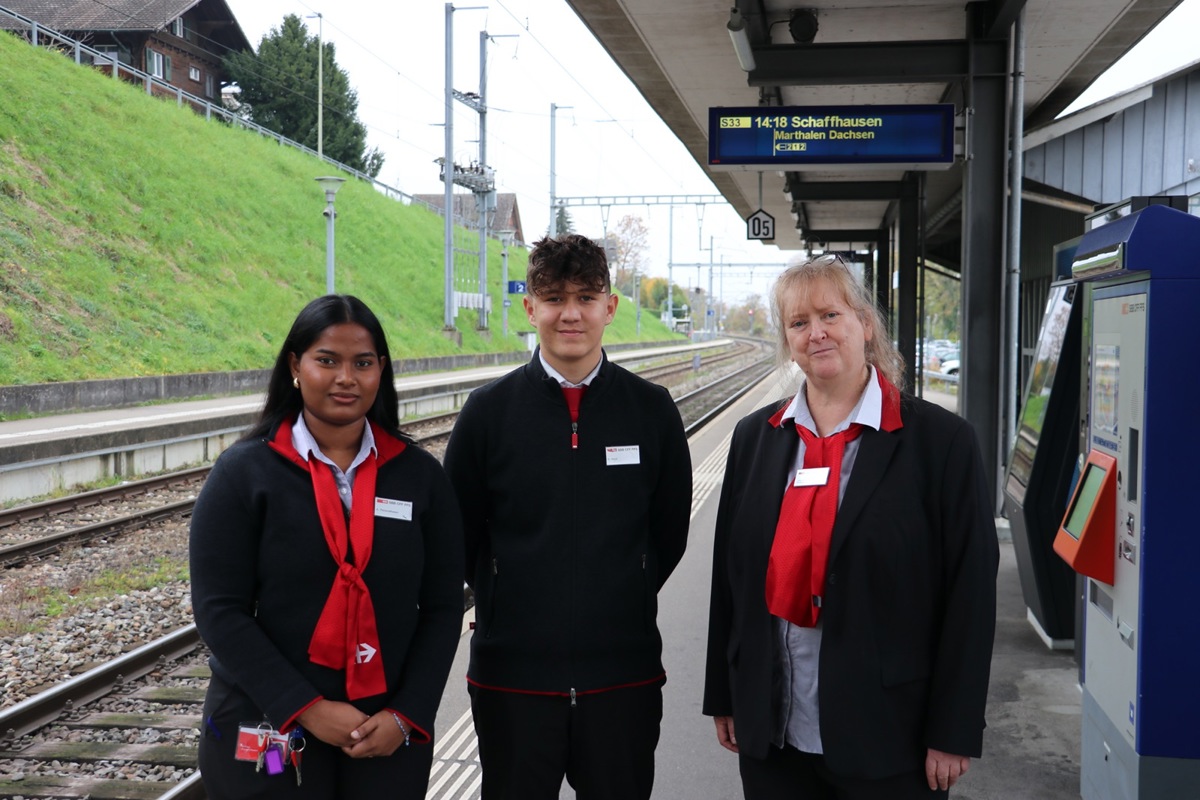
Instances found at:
x=136 y=238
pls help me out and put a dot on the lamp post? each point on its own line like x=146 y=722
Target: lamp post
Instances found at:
x=330 y=185
x=321 y=93
x=637 y=299
x=506 y=237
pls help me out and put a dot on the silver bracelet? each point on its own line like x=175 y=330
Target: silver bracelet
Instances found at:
x=407 y=733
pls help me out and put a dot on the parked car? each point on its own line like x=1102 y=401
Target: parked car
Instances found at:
x=945 y=352
x=950 y=366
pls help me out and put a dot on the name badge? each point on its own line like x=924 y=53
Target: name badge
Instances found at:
x=616 y=456
x=393 y=509
x=813 y=476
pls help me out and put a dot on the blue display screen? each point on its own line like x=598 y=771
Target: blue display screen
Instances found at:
x=796 y=135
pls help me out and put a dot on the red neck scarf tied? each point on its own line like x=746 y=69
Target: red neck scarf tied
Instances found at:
x=346 y=636
x=800 y=550
x=795 y=584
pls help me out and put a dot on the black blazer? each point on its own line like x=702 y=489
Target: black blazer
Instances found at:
x=910 y=601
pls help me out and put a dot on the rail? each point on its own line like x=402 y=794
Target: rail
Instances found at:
x=60 y=505
x=44 y=708
x=764 y=368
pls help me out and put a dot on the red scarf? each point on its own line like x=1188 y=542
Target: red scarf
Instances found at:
x=346 y=636
x=795 y=581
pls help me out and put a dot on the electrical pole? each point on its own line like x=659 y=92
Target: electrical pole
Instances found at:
x=449 y=306
x=320 y=85
x=550 y=230
x=553 y=229
x=482 y=198
x=670 y=263
x=479 y=178
x=709 y=312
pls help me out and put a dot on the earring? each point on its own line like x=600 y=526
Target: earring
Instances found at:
x=296 y=383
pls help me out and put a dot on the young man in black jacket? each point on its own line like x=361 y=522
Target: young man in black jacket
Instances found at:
x=575 y=483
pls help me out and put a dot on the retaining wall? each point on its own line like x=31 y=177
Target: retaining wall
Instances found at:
x=56 y=398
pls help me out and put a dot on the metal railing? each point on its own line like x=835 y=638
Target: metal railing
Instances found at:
x=41 y=36
x=933 y=376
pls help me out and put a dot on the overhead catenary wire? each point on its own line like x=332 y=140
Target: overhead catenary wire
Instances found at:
x=653 y=159
x=515 y=147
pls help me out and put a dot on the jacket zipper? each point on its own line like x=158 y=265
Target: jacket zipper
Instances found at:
x=574 y=545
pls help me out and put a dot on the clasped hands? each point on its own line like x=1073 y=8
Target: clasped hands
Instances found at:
x=357 y=734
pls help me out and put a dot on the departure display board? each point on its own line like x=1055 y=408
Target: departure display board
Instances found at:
x=908 y=136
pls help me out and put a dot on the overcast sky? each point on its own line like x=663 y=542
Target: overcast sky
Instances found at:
x=608 y=142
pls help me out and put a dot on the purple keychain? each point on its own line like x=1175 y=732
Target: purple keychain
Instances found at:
x=273 y=760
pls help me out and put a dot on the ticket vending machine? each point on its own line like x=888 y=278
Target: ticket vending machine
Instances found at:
x=1042 y=464
x=1132 y=526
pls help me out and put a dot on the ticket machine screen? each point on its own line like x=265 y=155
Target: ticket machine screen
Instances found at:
x=1085 y=499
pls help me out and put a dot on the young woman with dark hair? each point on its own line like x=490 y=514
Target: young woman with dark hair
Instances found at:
x=326 y=554
x=332 y=309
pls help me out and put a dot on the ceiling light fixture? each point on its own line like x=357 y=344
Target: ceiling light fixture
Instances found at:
x=803 y=26
x=741 y=40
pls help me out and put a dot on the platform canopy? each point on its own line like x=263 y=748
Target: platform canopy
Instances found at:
x=680 y=55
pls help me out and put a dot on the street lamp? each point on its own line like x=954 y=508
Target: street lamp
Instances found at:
x=320 y=90
x=506 y=238
x=330 y=185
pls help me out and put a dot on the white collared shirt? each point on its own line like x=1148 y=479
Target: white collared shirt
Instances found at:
x=868 y=412
x=794 y=684
x=307 y=447
x=557 y=376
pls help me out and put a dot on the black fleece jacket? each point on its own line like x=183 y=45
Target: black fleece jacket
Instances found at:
x=567 y=548
x=261 y=572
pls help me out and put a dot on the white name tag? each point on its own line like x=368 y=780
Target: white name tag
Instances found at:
x=615 y=456
x=393 y=509
x=813 y=476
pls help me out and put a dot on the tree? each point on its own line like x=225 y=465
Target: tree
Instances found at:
x=278 y=90
x=942 y=303
x=749 y=317
x=654 y=293
x=630 y=241
x=563 y=222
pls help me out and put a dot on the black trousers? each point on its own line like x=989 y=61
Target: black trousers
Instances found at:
x=326 y=772
x=603 y=745
x=790 y=774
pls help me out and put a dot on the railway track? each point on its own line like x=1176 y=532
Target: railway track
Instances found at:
x=125 y=730
x=23 y=529
x=38 y=530
x=660 y=373
x=128 y=728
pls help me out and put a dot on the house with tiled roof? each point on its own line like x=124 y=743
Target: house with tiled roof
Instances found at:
x=180 y=42
x=507 y=215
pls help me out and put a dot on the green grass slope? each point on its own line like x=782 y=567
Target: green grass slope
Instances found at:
x=136 y=238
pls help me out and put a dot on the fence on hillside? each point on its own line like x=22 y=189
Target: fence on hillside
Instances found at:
x=40 y=36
